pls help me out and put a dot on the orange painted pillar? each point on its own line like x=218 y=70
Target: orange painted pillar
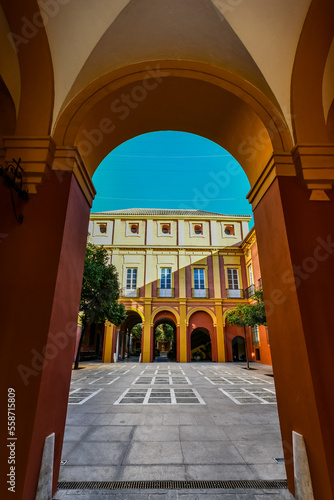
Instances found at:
x=108 y=342
x=146 y=350
x=296 y=249
x=42 y=266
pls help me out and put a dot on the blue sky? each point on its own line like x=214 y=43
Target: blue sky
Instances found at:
x=171 y=170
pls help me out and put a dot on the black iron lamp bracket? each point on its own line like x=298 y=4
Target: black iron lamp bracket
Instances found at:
x=13 y=180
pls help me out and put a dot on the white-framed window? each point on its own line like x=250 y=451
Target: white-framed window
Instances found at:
x=165 y=282
x=255 y=335
x=250 y=275
x=233 y=283
x=132 y=229
x=131 y=282
x=199 y=282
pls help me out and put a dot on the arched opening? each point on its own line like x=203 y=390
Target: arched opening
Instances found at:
x=240 y=124
x=202 y=336
x=128 y=338
x=201 y=348
x=164 y=340
x=238 y=349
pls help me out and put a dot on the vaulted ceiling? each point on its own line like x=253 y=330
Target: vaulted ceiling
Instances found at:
x=64 y=46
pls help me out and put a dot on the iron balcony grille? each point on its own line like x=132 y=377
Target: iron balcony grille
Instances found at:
x=250 y=291
x=168 y=485
x=236 y=293
x=129 y=292
x=200 y=293
x=166 y=292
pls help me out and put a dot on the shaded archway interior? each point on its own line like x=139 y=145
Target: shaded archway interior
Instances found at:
x=177 y=103
x=132 y=319
x=167 y=320
x=201 y=343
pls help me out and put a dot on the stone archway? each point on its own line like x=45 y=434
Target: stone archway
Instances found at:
x=124 y=344
x=201 y=322
x=165 y=346
x=166 y=315
x=201 y=346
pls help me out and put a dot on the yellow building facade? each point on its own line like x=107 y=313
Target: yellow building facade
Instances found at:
x=186 y=268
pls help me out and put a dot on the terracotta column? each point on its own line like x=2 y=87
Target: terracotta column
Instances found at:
x=296 y=249
x=147 y=334
x=42 y=265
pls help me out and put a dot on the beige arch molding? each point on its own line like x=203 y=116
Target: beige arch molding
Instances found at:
x=202 y=309
x=137 y=311
x=66 y=126
x=170 y=309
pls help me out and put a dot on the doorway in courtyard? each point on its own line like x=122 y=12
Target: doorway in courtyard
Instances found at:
x=128 y=338
x=201 y=348
x=164 y=340
x=238 y=349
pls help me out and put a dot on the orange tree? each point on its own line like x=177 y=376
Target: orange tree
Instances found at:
x=248 y=315
x=99 y=293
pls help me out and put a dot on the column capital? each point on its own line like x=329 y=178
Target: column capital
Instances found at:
x=40 y=155
x=69 y=159
x=281 y=164
x=315 y=167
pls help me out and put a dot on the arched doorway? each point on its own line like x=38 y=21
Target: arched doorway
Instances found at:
x=201 y=348
x=128 y=338
x=202 y=335
x=238 y=349
x=164 y=340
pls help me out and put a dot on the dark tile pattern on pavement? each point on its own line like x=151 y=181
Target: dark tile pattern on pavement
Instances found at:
x=172 y=422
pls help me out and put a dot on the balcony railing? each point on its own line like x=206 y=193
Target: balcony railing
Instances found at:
x=200 y=293
x=129 y=292
x=250 y=291
x=165 y=292
x=234 y=293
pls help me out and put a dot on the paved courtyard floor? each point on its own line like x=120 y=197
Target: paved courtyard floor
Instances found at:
x=171 y=421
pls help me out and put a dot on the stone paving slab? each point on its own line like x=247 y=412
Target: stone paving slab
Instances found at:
x=175 y=495
x=218 y=440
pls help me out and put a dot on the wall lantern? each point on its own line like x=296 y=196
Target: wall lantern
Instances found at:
x=13 y=180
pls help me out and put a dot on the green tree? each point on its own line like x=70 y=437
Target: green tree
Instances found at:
x=248 y=315
x=137 y=331
x=99 y=293
x=256 y=311
x=164 y=333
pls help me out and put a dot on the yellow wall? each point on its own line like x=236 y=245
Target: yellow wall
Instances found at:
x=151 y=250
